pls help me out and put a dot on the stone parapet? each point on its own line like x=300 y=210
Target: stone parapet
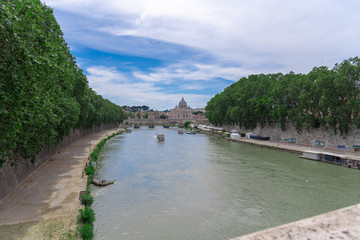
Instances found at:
x=339 y=224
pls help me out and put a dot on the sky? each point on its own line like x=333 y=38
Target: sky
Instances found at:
x=153 y=52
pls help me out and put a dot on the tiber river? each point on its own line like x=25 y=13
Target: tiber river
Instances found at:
x=199 y=187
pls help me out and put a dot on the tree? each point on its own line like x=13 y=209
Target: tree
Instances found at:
x=43 y=93
x=186 y=124
x=163 y=116
x=321 y=98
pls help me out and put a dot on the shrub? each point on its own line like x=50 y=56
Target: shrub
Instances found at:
x=186 y=124
x=87 y=199
x=90 y=170
x=86 y=231
x=94 y=154
x=87 y=215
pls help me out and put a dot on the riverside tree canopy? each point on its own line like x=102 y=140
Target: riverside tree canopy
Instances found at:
x=43 y=93
x=321 y=98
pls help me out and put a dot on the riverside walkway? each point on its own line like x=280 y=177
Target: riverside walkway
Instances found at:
x=52 y=191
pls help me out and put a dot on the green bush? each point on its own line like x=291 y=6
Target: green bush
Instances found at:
x=94 y=154
x=186 y=124
x=86 y=231
x=87 y=215
x=87 y=199
x=90 y=170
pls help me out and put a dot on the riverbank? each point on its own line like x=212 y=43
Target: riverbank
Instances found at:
x=352 y=156
x=340 y=224
x=50 y=196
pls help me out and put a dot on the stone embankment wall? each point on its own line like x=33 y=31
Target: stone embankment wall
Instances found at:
x=307 y=137
x=11 y=177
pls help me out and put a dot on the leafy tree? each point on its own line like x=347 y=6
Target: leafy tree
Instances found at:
x=43 y=93
x=321 y=98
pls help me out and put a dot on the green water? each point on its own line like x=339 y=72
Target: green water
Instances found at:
x=200 y=187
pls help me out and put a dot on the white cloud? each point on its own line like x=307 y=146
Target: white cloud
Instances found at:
x=296 y=35
x=190 y=72
x=238 y=37
x=122 y=90
x=101 y=75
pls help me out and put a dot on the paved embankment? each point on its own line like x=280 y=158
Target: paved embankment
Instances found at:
x=52 y=191
x=290 y=147
x=339 y=224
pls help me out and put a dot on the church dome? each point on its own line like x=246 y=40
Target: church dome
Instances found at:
x=182 y=103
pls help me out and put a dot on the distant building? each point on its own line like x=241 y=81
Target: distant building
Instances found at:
x=184 y=112
x=154 y=115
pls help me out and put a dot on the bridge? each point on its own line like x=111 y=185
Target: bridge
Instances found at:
x=161 y=122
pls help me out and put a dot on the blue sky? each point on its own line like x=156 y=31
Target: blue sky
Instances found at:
x=154 y=52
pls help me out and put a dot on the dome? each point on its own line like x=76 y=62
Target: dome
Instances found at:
x=182 y=103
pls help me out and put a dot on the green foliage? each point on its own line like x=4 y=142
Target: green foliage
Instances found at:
x=86 y=215
x=43 y=93
x=163 y=116
x=186 y=124
x=321 y=98
x=90 y=170
x=87 y=199
x=86 y=231
x=131 y=115
x=197 y=112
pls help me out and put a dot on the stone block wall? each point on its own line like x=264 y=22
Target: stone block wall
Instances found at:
x=307 y=137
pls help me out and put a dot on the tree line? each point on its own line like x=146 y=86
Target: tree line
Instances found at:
x=136 y=108
x=43 y=93
x=324 y=97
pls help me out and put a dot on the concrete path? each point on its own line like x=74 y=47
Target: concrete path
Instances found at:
x=295 y=148
x=52 y=191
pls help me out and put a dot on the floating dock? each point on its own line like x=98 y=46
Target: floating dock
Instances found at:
x=344 y=160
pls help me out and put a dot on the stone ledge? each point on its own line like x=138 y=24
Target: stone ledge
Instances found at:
x=340 y=224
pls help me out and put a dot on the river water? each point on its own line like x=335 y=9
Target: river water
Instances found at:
x=205 y=188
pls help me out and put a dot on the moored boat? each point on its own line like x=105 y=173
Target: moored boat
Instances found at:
x=102 y=182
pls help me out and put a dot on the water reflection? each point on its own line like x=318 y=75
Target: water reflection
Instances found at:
x=200 y=187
